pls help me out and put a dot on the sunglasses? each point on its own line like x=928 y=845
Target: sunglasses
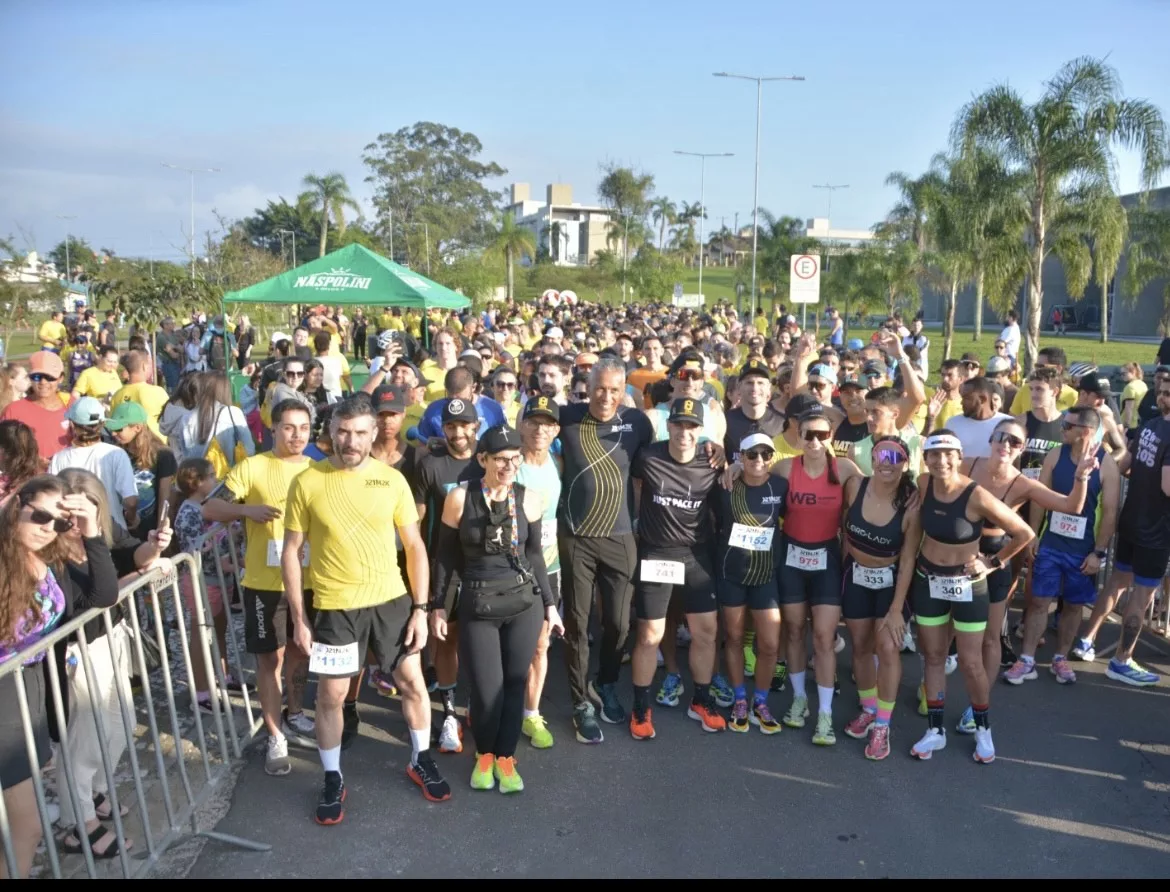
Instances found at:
x=38 y=377
x=40 y=517
x=506 y=385
x=1066 y=425
x=889 y=457
x=689 y=375
x=581 y=394
x=760 y=454
x=823 y=436
x=291 y=374
x=1004 y=437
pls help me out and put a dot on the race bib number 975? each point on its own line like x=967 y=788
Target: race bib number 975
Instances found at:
x=807 y=558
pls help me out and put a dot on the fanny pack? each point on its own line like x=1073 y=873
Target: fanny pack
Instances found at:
x=501 y=599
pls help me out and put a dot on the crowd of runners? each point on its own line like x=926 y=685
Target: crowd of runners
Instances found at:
x=627 y=479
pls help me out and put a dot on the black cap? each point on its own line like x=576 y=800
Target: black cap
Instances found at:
x=803 y=404
x=418 y=375
x=876 y=365
x=755 y=367
x=459 y=410
x=687 y=359
x=497 y=439
x=1094 y=385
x=542 y=405
x=388 y=398
x=852 y=381
x=690 y=411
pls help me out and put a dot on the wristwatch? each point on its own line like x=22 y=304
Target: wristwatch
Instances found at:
x=424 y=607
x=995 y=563
x=1101 y=553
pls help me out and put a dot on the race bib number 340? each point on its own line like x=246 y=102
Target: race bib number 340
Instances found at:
x=807 y=558
x=669 y=572
x=951 y=588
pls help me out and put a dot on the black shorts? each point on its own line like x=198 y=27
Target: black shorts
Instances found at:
x=754 y=597
x=813 y=587
x=267 y=622
x=968 y=616
x=652 y=599
x=381 y=629
x=1148 y=565
x=860 y=601
x=999 y=583
x=14 y=765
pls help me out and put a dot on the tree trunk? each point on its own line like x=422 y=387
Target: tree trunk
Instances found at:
x=324 y=230
x=508 y=261
x=949 y=321
x=1105 y=314
x=978 y=305
x=1035 y=308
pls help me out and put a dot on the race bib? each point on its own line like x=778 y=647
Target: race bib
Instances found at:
x=548 y=534
x=751 y=538
x=807 y=558
x=1031 y=473
x=873 y=577
x=1071 y=526
x=276 y=546
x=670 y=572
x=951 y=588
x=329 y=659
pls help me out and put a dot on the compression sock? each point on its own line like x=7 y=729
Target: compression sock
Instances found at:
x=447 y=694
x=331 y=758
x=869 y=701
x=740 y=692
x=760 y=697
x=702 y=693
x=641 y=698
x=885 y=709
x=797 y=679
x=934 y=712
x=980 y=715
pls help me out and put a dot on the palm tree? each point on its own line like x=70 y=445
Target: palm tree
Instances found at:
x=779 y=238
x=1147 y=258
x=664 y=213
x=329 y=196
x=907 y=219
x=1063 y=146
x=511 y=242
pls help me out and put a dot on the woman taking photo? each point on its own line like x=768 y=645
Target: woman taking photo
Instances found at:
x=882 y=532
x=36 y=596
x=19 y=457
x=490 y=537
x=154 y=464
x=950 y=587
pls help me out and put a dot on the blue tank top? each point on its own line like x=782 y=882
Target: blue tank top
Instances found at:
x=546 y=480
x=1062 y=482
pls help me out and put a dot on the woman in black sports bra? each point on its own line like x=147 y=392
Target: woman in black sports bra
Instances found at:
x=950 y=584
x=882 y=532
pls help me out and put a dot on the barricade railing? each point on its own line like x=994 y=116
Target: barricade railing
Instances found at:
x=176 y=761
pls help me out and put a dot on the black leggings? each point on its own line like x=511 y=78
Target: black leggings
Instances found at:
x=496 y=654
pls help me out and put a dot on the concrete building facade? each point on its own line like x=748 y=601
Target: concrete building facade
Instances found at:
x=571 y=233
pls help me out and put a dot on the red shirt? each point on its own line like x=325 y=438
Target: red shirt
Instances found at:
x=48 y=425
x=813 y=512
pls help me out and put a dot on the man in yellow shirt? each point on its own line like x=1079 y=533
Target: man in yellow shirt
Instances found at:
x=139 y=390
x=348 y=508
x=52 y=332
x=435 y=370
x=101 y=380
x=946 y=402
x=1047 y=357
x=260 y=487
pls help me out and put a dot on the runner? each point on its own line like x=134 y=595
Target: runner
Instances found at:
x=687 y=380
x=347 y=509
x=951 y=571
x=674 y=553
x=880 y=547
x=1042 y=422
x=855 y=427
x=260 y=486
x=882 y=410
x=754 y=413
x=506 y=599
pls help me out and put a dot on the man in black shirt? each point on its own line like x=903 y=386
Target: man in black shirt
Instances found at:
x=854 y=428
x=755 y=412
x=599 y=440
x=1148 y=407
x=674 y=529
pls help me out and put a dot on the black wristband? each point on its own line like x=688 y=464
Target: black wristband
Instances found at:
x=424 y=607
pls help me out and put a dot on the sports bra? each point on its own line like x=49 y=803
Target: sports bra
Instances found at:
x=946 y=522
x=993 y=540
x=880 y=542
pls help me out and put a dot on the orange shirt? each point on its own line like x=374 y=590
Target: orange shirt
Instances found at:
x=642 y=378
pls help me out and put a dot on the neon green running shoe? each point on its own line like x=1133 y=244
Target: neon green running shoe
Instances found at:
x=482 y=776
x=536 y=730
x=923 y=709
x=508 y=776
x=749 y=660
x=824 y=735
x=797 y=713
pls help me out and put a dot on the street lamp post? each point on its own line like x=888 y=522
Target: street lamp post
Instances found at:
x=192 y=171
x=703 y=156
x=831 y=189
x=292 y=232
x=756 y=200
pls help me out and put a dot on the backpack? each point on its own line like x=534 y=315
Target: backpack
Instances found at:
x=217 y=353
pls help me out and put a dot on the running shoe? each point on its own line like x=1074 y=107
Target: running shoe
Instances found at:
x=1063 y=672
x=384 y=684
x=350 y=724
x=966 y=723
x=1007 y=656
x=329 y=806
x=838 y=644
x=824 y=735
x=671 y=690
x=859 y=728
x=276 y=760
x=1130 y=672
x=722 y=691
x=749 y=661
x=952 y=663
x=763 y=719
x=507 y=775
x=450 y=735
x=585 y=724
x=1020 y=672
x=683 y=636
x=483 y=775
x=641 y=725
x=535 y=728
x=605 y=696
x=878 y=746
x=797 y=712
x=932 y=741
x=707 y=717
x=299 y=730
x=923 y=708
x=779 y=678
x=1084 y=650
x=739 y=722
x=425 y=773
x=908 y=646
x=984 y=749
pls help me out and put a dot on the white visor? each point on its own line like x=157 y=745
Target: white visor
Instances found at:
x=756 y=439
x=943 y=441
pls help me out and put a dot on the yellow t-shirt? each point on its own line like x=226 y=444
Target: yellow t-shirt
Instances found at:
x=50 y=332
x=512 y=412
x=394 y=323
x=151 y=397
x=98 y=384
x=761 y=324
x=414 y=413
x=265 y=479
x=349 y=519
x=1023 y=401
x=949 y=410
x=436 y=388
x=1133 y=393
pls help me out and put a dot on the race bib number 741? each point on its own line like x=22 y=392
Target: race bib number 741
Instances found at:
x=669 y=572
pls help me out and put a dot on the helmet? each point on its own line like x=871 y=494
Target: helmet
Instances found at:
x=385 y=339
x=1081 y=369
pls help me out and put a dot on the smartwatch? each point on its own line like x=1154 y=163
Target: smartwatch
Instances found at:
x=424 y=607
x=1101 y=554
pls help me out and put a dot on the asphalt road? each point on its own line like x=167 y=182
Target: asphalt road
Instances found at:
x=1080 y=788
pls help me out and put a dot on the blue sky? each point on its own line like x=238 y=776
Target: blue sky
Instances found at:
x=99 y=94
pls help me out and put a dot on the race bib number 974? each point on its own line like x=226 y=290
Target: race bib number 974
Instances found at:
x=1071 y=526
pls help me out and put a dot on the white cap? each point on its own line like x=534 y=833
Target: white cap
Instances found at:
x=756 y=439
x=279 y=336
x=554 y=333
x=942 y=441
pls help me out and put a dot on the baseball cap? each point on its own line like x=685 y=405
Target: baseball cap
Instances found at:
x=418 y=375
x=756 y=368
x=125 y=414
x=1094 y=385
x=972 y=359
x=852 y=381
x=822 y=371
x=555 y=333
x=86 y=411
x=499 y=438
x=687 y=359
x=755 y=439
x=278 y=336
x=542 y=405
x=876 y=366
x=689 y=411
x=802 y=404
x=997 y=365
x=1162 y=370
x=388 y=398
x=855 y=344
x=45 y=362
x=459 y=410
x=589 y=359
x=471 y=360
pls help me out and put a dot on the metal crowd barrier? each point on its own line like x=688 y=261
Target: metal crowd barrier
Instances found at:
x=175 y=764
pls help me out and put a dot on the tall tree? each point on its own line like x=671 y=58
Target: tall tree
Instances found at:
x=1147 y=257
x=779 y=238
x=664 y=213
x=627 y=192
x=1064 y=145
x=80 y=256
x=280 y=226
x=511 y=242
x=329 y=196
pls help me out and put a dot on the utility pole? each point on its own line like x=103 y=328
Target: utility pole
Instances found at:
x=703 y=156
x=192 y=171
x=831 y=189
x=293 y=233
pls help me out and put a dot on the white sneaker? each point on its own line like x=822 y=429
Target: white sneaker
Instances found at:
x=984 y=749
x=299 y=730
x=838 y=644
x=683 y=636
x=908 y=642
x=276 y=759
x=450 y=740
x=932 y=741
x=952 y=663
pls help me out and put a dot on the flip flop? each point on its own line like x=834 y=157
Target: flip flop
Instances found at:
x=101 y=807
x=71 y=845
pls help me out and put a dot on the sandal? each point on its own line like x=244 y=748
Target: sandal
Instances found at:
x=103 y=810
x=71 y=845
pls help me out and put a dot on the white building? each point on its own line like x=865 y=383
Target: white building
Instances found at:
x=819 y=228
x=581 y=230
x=32 y=271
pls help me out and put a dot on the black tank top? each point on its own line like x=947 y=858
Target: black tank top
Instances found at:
x=847 y=433
x=485 y=533
x=993 y=540
x=739 y=426
x=946 y=522
x=1042 y=437
x=882 y=542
